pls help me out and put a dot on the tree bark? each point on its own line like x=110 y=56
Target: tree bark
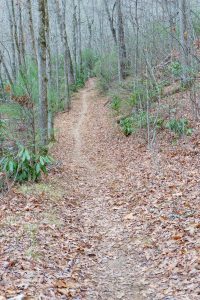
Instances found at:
x=16 y=34
x=63 y=32
x=14 y=68
x=31 y=29
x=111 y=23
x=75 y=37
x=42 y=74
x=80 y=61
x=50 y=79
x=184 y=40
x=121 y=43
x=21 y=36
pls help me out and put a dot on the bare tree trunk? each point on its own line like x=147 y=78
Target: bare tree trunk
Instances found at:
x=42 y=73
x=68 y=53
x=121 y=43
x=16 y=34
x=137 y=39
x=80 y=61
x=63 y=32
x=31 y=29
x=66 y=66
x=50 y=80
x=6 y=69
x=21 y=36
x=14 y=68
x=57 y=65
x=184 y=39
x=75 y=37
x=111 y=23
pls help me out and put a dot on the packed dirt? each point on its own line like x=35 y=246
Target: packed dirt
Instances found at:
x=89 y=135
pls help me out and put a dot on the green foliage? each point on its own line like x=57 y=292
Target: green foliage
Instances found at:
x=24 y=165
x=89 y=59
x=12 y=110
x=179 y=127
x=176 y=69
x=133 y=99
x=3 y=130
x=127 y=125
x=116 y=103
x=52 y=98
x=2 y=125
x=80 y=83
x=138 y=98
x=27 y=80
x=106 y=70
x=140 y=120
x=160 y=123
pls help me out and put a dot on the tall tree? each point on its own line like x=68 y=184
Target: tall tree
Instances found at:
x=121 y=42
x=31 y=29
x=42 y=73
x=63 y=31
x=184 y=39
x=13 y=52
x=16 y=35
x=111 y=21
x=75 y=33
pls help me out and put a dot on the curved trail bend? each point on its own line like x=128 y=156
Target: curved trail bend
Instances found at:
x=109 y=267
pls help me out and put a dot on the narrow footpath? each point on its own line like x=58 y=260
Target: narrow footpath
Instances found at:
x=85 y=147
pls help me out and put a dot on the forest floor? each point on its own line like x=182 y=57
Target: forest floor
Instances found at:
x=113 y=220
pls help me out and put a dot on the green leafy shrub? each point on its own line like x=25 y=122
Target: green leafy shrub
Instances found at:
x=160 y=122
x=138 y=98
x=116 y=103
x=80 y=82
x=106 y=70
x=176 y=69
x=179 y=126
x=140 y=120
x=24 y=165
x=127 y=125
x=2 y=126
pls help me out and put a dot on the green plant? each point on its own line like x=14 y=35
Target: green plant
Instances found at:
x=3 y=127
x=106 y=70
x=140 y=120
x=179 y=127
x=80 y=82
x=89 y=59
x=176 y=69
x=24 y=165
x=134 y=98
x=116 y=103
x=160 y=123
x=127 y=125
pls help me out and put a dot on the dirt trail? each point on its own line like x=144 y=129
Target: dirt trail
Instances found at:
x=111 y=221
x=110 y=266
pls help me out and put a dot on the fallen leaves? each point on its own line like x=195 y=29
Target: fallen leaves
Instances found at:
x=70 y=284
x=129 y=217
x=119 y=221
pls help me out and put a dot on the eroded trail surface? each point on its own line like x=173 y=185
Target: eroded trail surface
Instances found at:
x=108 y=259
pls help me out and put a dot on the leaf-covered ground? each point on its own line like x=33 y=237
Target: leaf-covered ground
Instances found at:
x=113 y=220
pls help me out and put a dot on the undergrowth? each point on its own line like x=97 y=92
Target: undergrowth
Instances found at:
x=24 y=165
